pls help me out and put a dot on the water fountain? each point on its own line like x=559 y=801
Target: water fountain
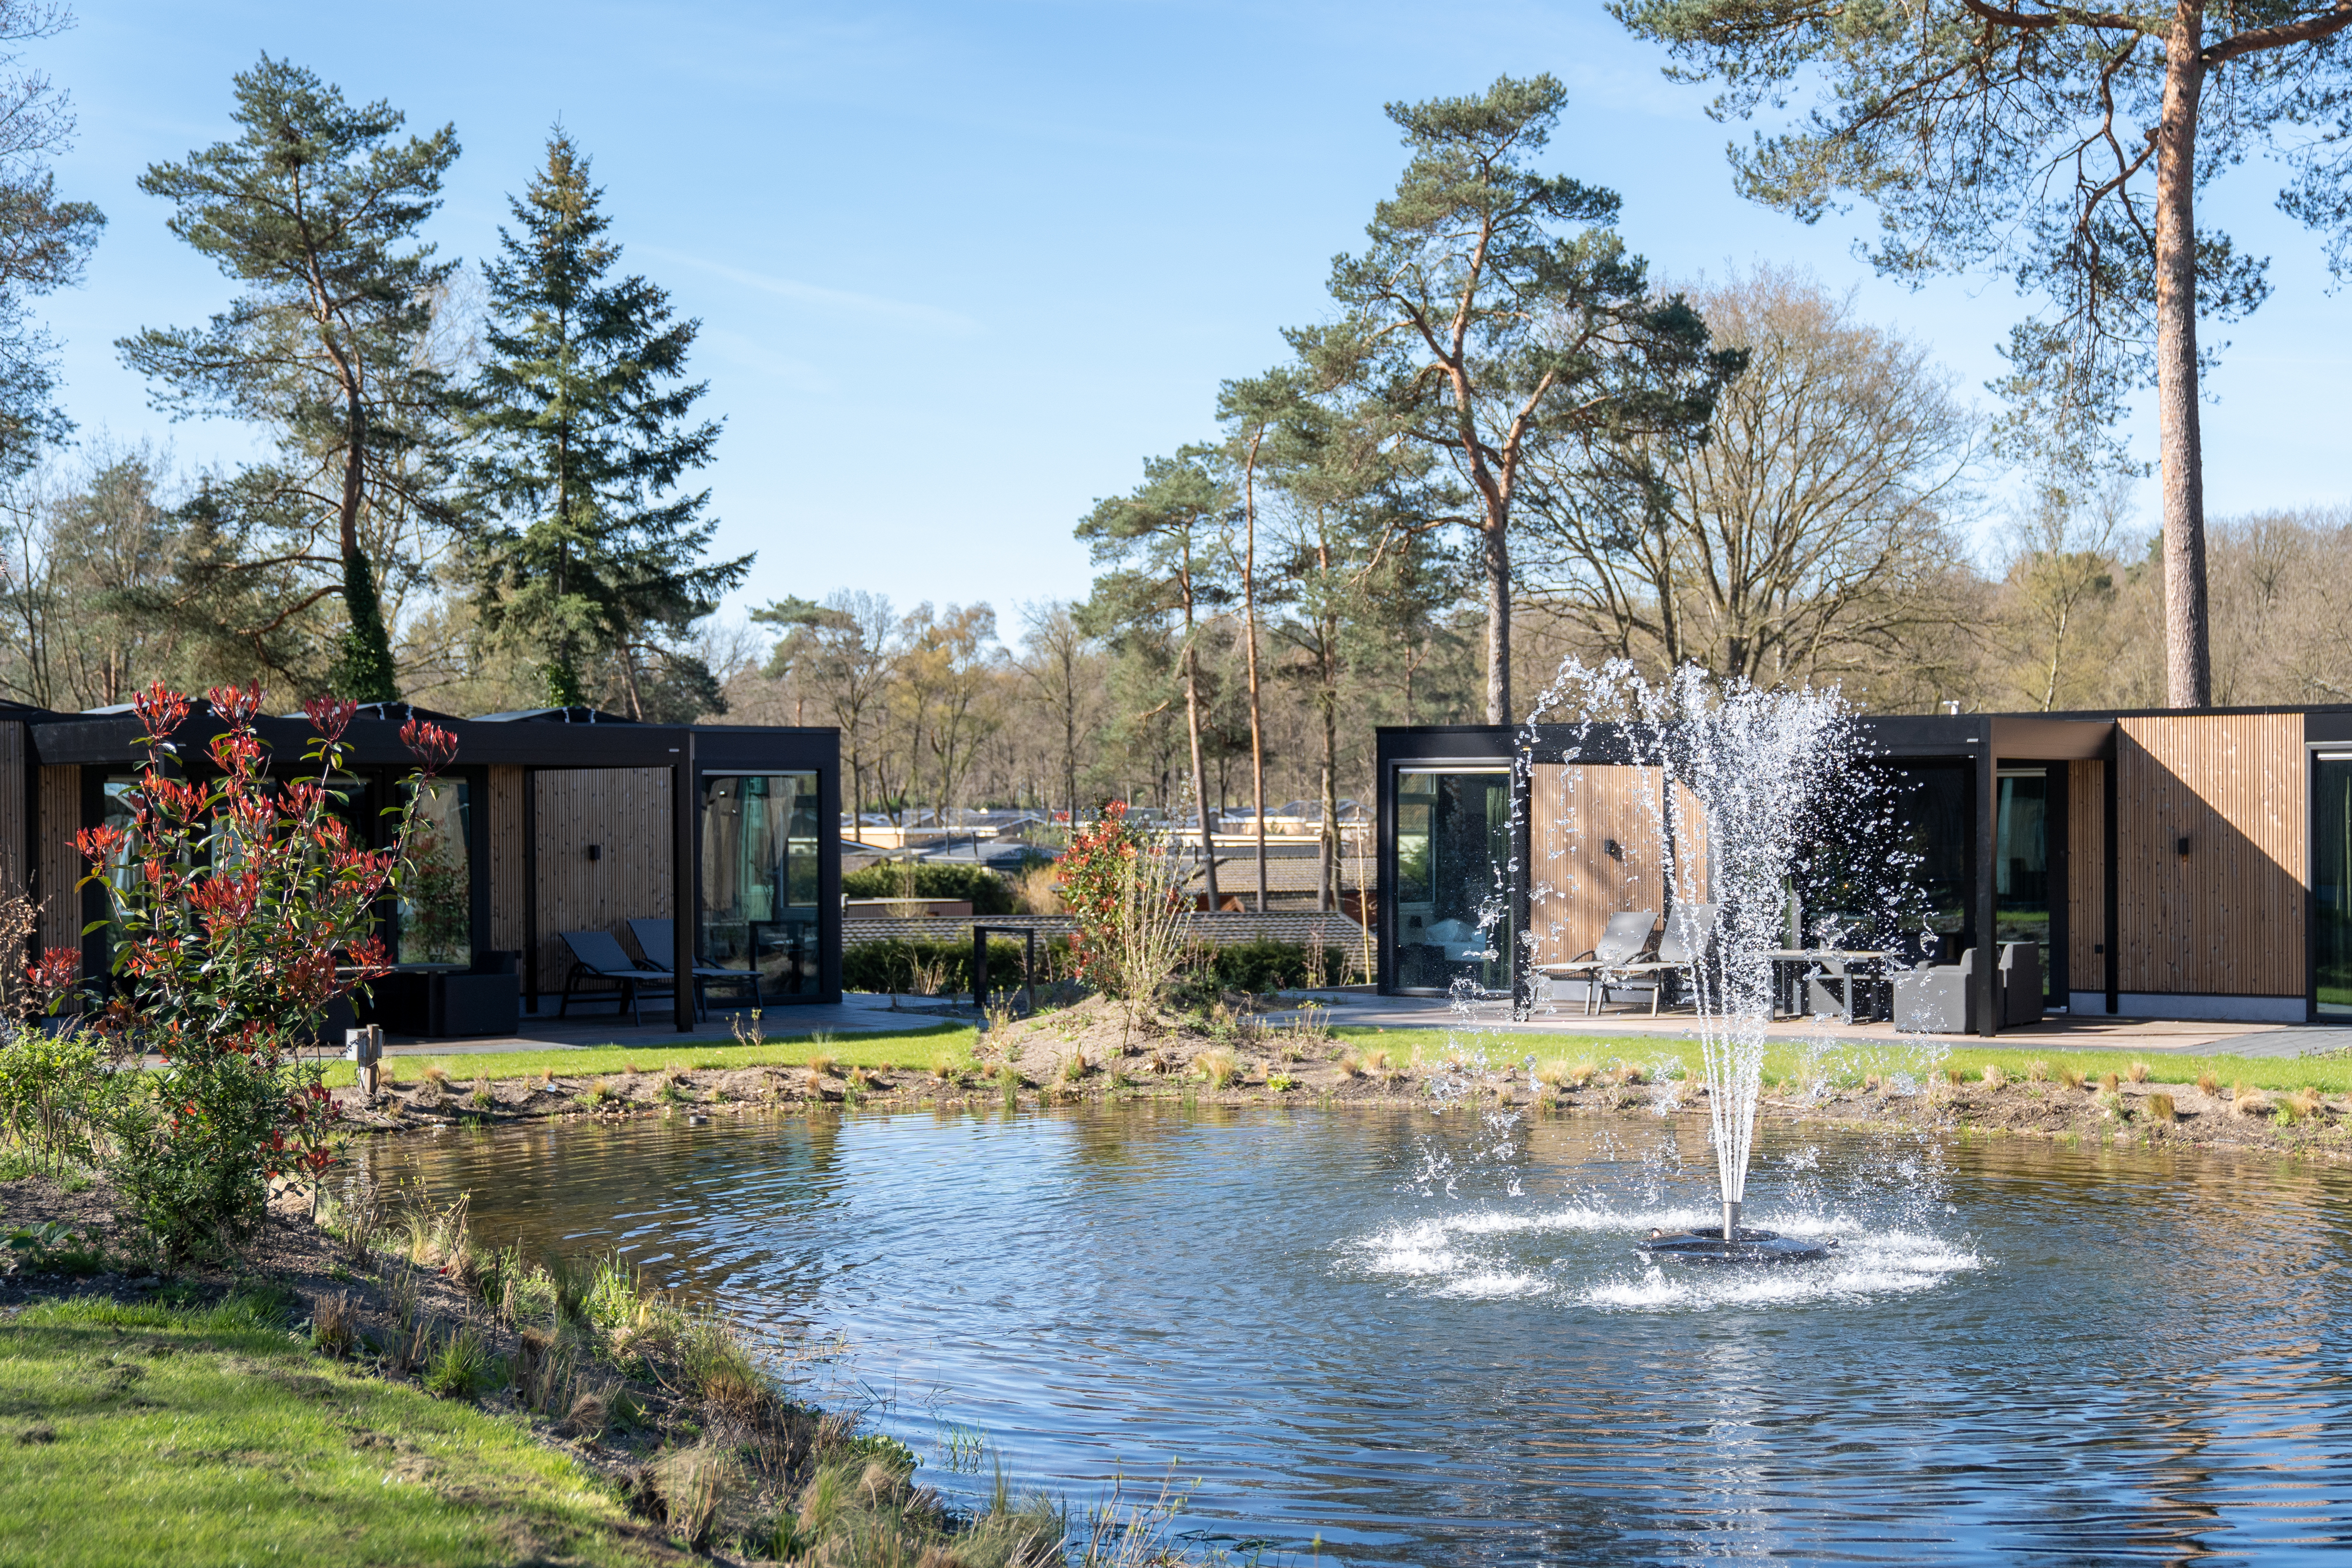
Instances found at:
x=1744 y=774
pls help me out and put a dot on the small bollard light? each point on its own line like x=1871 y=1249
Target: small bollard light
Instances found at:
x=364 y=1048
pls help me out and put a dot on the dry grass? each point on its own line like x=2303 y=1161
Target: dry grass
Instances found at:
x=2137 y=1072
x=2245 y=1101
x=1994 y=1077
x=2307 y=1100
x=2208 y=1085
x=2110 y=1083
x=1955 y=1077
x=2037 y=1072
x=1351 y=1065
x=823 y=1066
x=944 y=1070
x=437 y=1075
x=2160 y=1107
x=1218 y=1065
x=1630 y=1075
x=2071 y=1078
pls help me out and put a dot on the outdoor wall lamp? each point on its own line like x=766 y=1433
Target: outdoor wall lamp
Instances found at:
x=2183 y=847
x=596 y=851
x=1615 y=850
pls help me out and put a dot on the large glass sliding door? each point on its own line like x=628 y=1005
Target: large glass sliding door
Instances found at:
x=760 y=879
x=2331 y=883
x=2021 y=864
x=1452 y=910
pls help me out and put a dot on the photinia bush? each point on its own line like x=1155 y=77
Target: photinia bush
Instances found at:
x=242 y=907
x=1097 y=877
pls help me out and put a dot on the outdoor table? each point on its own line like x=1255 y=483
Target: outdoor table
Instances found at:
x=1793 y=966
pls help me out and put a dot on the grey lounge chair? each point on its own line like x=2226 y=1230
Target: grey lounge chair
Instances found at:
x=2020 y=983
x=659 y=937
x=1940 y=999
x=598 y=955
x=1622 y=942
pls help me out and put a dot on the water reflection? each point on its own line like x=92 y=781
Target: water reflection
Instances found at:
x=1428 y=1339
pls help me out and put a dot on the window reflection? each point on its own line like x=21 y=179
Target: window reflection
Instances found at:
x=759 y=837
x=1453 y=848
x=435 y=908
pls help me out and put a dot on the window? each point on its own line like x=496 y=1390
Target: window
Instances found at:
x=760 y=877
x=2020 y=861
x=1453 y=910
x=2331 y=884
x=435 y=912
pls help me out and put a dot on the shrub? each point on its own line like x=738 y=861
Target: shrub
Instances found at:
x=894 y=964
x=1268 y=965
x=244 y=906
x=56 y=1095
x=990 y=893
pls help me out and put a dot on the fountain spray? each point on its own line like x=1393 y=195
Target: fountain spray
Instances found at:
x=1741 y=774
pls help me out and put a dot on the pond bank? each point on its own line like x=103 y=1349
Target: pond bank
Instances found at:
x=1227 y=1055
x=412 y=1397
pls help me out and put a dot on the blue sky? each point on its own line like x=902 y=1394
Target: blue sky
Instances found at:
x=961 y=268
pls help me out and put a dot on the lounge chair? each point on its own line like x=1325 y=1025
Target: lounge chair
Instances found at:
x=1622 y=942
x=598 y=955
x=1939 y=999
x=659 y=937
x=1674 y=954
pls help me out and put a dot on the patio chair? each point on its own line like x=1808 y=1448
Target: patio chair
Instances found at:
x=659 y=937
x=1622 y=942
x=1940 y=999
x=598 y=955
x=2020 y=983
x=1674 y=956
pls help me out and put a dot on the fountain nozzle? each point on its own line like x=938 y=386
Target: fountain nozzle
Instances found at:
x=1731 y=1219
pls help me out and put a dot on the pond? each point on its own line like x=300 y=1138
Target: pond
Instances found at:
x=1426 y=1339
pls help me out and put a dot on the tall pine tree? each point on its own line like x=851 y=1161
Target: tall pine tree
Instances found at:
x=314 y=208
x=587 y=425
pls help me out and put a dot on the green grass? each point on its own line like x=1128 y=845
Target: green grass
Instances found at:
x=1784 y=1059
x=914 y=1049
x=207 y=1435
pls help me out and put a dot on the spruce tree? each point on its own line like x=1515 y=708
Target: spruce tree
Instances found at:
x=586 y=427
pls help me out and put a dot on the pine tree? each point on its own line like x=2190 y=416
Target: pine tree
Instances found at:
x=585 y=422
x=312 y=208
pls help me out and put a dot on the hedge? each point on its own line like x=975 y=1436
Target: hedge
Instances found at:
x=889 y=965
x=990 y=893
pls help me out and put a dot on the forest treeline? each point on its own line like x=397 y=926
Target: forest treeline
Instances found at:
x=1506 y=443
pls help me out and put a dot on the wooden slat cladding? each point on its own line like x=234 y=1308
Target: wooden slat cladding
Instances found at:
x=2086 y=875
x=1575 y=811
x=504 y=806
x=624 y=812
x=2227 y=919
x=12 y=808
x=61 y=861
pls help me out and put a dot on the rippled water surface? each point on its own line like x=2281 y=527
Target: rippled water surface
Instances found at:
x=1426 y=1339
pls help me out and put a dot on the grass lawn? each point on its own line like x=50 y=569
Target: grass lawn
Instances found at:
x=1787 y=1060
x=916 y=1047
x=203 y=1436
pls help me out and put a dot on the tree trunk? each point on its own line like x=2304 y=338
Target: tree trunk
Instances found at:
x=1499 y=624
x=1192 y=723
x=2188 y=665
x=1249 y=630
x=1200 y=779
